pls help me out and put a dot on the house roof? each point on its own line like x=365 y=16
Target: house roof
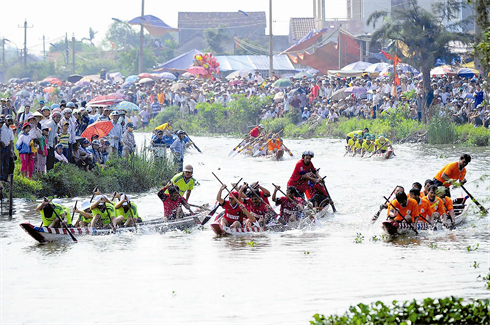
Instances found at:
x=299 y=27
x=217 y=19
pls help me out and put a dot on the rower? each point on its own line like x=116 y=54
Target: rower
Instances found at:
x=436 y=204
x=358 y=145
x=126 y=212
x=428 y=183
x=350 y=135
x=382 y=144
x=351 y=143
x=184 y=181
x=408 y=208
x=255 y=132
x=290 y=204
x=453 y=173
x=368 y=145
x=172 y=202
x=264 y=193
x=49 y=210
x=178 y=148
x=84 y=215
x=318 y=196
x=448 y=207
x=424 y=206
x=274 y=145
x=102 y=211
x=398 y=189
x=257 y=208
x=303 y=172
x=235 y=211
x=158 y=144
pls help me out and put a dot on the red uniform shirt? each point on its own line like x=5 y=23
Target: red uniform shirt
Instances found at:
x=232 y=213
x=254 y=132
x=257 y=211
x=300 y=169
x=289 y=208
x=170 y=206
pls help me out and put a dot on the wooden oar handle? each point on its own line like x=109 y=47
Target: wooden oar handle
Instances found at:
x=403 y=217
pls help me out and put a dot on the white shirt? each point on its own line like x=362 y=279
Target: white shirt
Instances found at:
x=7 y=134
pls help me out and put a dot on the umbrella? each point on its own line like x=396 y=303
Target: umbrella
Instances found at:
x=53 y=80
x=76 y=89
x=107 y=99
x=401 y=66
x=145 y=75
x=26 y=79
x=282 y=83
x=339 y=94
x=131 y=78
x=186 y=75
x=14 y=80
x=355 y=90
x=376 y=67
x=279 y=96
x=127 y=106
x=74 y=78
x=48 y=89
x=197 y=70
x=440 y=71
x=127 y=84
x=303 y=73
x=467 y=72
x=359 y=65
x=236 y=82
x=23 y=93
x=100 y=128
x=238 y=73
x=43 y=83
x=178 y=85
x=146 y=80
x=82 y=83
x=167 y=75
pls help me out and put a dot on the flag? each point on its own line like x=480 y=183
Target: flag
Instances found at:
x=113 y=46
x=387 y=55
x=237 y=42
x=396 y=60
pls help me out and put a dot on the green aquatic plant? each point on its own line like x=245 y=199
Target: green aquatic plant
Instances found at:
x=476 y=265
x=359 y=238
x=471 y=249
x=486 y=278
x=433 y=245
x=449 y=310
x=251 y=243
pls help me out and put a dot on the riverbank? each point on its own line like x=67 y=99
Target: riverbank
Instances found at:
x=138 y=174
x=240 y=115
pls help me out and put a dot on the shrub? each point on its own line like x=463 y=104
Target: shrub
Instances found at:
x=430 y=311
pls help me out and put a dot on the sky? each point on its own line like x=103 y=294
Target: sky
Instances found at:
x=54 y=18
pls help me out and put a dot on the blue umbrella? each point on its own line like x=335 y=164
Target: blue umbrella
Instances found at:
x=127 y=84
x=376 y=67
x=132 y=78
x=127 y=106
x=466 y=72
x=359 y=65
x=167 y=75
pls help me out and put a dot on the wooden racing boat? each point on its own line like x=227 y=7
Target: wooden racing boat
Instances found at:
x=460 y=210
x=389 y=154
x=44 y=234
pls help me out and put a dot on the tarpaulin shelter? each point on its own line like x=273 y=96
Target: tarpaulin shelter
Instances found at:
x=253 y=62
x=154 y=25
x=180 y=63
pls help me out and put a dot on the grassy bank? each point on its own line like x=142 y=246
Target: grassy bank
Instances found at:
x=240 y=115
x=429 y=311
x=139 y=173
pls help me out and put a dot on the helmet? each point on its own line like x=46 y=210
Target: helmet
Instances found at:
x=308 y=153
x=85 y=205
x=70 y=105
x=56 y=201
x=180 y=132
x=261 y=126
x=114 y=113
x=188 y=168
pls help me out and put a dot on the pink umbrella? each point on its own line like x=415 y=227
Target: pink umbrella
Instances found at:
x=355 y=90
x=197 y=70
x=145 y=75
x=236 y=82
x=53 y=80
x=82 y=83
x=107 y=99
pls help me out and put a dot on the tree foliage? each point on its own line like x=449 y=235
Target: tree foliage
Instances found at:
x=215 y=39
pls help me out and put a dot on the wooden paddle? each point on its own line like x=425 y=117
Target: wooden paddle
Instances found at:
x=193 y=143
x=262 y=200
x=482 y=209
x=132 y=216
x=403 y=217
x=93 y=193
x=74 y=208
x=267 y=142
x=362 y=155
x=326 y=190
x=62 y=224
x=238 y=146
x=376 y=216
x=249 y=144
x=213 y=211
x=290 y=200
x=287 y=149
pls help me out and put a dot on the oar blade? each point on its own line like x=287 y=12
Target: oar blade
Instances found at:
x=210 y=214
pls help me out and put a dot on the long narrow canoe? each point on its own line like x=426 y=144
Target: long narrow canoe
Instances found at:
x=45 y=234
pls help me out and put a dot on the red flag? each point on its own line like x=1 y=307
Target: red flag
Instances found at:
x=387 y=55
x=237 y=43
x=396 y=60
x=397 y=80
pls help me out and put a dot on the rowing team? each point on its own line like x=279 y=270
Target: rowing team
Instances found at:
x=257 y=143
x=361 y=142
x=100 y=212
x=433 y=202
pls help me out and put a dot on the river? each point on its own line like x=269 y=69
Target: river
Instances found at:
x=196 y=277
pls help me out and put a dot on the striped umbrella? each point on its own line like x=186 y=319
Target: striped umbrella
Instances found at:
x=127 y=106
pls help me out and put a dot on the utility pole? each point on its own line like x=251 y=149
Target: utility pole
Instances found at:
x=271 y=58
x=25 y=41
x=44 y=48
x=73 y=51
x=340 y=47
x=142 y=34
x=3 y=53
x=67 y=58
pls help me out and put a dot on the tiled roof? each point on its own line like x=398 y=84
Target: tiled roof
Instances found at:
x=216 y=19
x=299 y=27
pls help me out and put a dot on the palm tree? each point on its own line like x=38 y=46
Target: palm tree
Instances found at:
x=420 y=36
